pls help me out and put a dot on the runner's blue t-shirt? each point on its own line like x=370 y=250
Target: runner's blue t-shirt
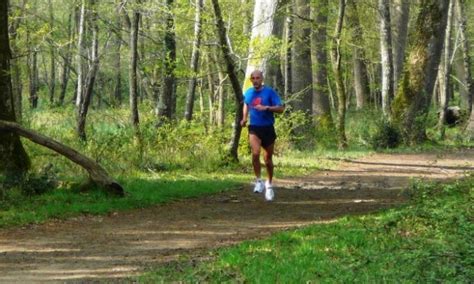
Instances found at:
x=267 y=97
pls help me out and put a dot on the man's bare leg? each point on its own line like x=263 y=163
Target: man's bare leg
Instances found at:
x=255 y=145
x=268 y=158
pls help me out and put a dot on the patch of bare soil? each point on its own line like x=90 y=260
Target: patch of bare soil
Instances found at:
x=124 y=244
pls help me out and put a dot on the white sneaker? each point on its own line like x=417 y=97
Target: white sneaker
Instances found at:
x=259 y=186
x=269 y=194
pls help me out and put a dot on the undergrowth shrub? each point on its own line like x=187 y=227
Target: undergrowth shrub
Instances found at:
x=386 y=135
x=361 y=126
x=294 y=130
x=12 y=193
x=324 y=133
x=113 y=143
x=36 y=183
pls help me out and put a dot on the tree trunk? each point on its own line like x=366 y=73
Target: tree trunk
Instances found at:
x=80 y=55
x=340 y=90
x=32 y=69
x=288 y=42
x=167 y=101
x=458 y=69
x=33 y=77
x=231 y=71
x=132 y=71
x=52 y=52
x=301 y=75
x=274 y=76
x=96 y=172
x=17 y=88
x=361 y=80
x=67 y=61
x=321 y=108
x=90 y=80
x=413 y=98
x=387 y=56
x=220 y=98
x=444 y=73
x=469 y=85
x=15 y=62
x=217 y=95
x=210 y=83
x=15 y=161
x=188 y=114
x=117 y=93
x=470 y=123
x=400 y=18
x=262 y=27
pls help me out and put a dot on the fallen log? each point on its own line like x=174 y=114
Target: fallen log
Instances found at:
x=96 y=173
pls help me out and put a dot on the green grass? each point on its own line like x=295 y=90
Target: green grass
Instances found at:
x=141 y=192
x=427 y=241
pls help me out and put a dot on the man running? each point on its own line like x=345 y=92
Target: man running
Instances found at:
x=261 y=102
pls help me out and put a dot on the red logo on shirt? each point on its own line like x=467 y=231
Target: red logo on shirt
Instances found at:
x=257 y=101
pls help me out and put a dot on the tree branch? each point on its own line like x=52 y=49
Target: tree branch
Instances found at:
x=96 y=172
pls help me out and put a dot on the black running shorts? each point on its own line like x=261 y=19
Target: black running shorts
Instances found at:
x=265 y=133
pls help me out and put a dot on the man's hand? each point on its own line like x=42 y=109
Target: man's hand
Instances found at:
x=261 y=107
x=243 y=122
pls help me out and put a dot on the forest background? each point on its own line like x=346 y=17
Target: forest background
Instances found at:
x=152 y=91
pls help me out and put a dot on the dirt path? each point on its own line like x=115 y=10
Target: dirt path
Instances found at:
x=124 y=244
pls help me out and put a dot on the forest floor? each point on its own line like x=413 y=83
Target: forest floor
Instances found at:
x=124 y=244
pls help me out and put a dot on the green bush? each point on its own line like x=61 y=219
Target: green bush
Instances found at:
x=386 y=136
x=294 y=130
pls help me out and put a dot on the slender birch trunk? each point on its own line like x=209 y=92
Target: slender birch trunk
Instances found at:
x=209 y=62
x=80 y=55
x=231 y=71
x=66 y=70
x=220 y=113
x=444 y=71
x=91 y=76
x=52 y=53
x=132 y=71
x=469 y=84
x=116 y=98
x=288 y=42
x=188 y=114
x=32 y=69
x=400 y=17
x=360 y=73
x=387 y=57
x=340 y=90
